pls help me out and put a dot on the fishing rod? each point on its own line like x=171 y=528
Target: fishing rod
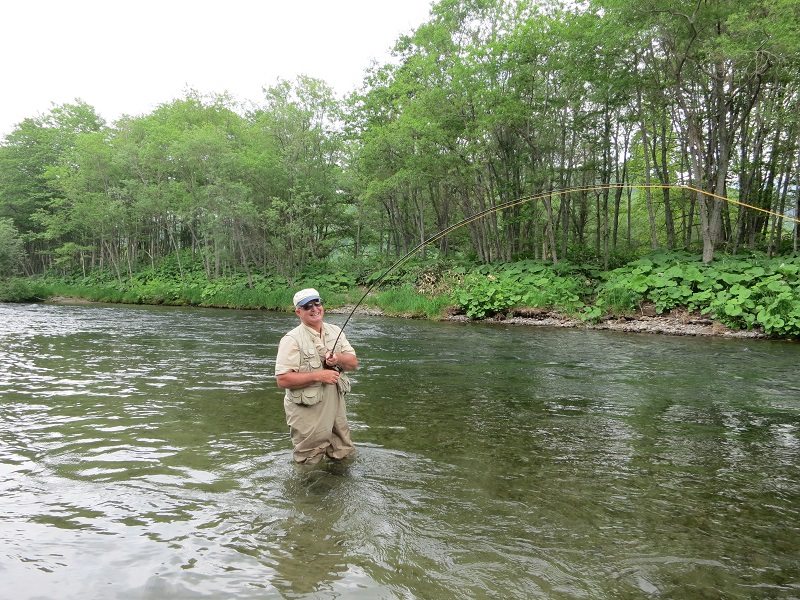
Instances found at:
x=522 y=200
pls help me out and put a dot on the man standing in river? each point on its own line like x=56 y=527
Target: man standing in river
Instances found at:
x=311 y=371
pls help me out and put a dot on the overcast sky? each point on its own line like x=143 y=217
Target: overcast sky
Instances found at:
x=128 y=56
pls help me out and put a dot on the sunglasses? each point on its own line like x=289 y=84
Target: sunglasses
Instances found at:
x=313 y=303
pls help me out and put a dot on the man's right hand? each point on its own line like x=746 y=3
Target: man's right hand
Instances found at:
x=328 y=376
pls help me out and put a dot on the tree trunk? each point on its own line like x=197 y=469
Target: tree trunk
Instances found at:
x=549 y=207
x=648 y=193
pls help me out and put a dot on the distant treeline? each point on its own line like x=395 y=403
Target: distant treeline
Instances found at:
x=488 y=101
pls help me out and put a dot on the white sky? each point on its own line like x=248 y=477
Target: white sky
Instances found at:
x=128 y=56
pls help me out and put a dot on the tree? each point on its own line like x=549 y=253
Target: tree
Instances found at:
x=11 y=249
x=490 y=101
x=31 y=162
x=303 y=208
x=719 y=54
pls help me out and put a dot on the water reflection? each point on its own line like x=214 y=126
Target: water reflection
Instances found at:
x=144 y=454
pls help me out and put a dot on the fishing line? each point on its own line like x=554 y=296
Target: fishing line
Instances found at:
x=518 y=201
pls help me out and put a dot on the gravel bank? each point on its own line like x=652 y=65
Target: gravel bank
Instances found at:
x=676 y=322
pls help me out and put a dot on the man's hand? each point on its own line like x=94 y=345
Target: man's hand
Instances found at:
x=295 y=380
x=328 y=376
x=344 y=361
x=331 y=359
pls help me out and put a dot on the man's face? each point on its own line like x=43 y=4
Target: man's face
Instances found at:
x=311 y=313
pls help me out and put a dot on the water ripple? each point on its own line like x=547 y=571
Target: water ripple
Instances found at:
x=144 y=454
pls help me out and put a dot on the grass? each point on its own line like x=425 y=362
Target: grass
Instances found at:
x=407 y=302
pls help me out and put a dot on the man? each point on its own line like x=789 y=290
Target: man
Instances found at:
x=310 y=369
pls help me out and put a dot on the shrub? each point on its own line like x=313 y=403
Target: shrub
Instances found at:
x=494 y=289
x=21 y=290
x=742 y=294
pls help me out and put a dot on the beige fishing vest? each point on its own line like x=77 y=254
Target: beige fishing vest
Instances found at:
x=312 y=357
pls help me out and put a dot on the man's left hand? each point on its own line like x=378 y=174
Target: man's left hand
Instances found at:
x=331 y=360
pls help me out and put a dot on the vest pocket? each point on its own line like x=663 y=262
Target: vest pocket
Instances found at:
x=310 y=362
x=343 y=383
x=309 y=396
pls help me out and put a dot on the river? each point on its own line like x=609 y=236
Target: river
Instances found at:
x=144 y=455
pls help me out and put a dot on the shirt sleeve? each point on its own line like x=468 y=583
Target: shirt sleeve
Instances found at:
x=288 y=358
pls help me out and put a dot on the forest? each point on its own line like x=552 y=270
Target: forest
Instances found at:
x=590 y=135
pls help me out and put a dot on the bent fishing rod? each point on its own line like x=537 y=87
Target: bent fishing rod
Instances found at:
x=522 y=200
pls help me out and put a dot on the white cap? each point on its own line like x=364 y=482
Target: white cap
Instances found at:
x=304 y=296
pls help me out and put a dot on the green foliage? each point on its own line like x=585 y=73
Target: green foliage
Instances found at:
x=15 y=289
x=406 y=301
x=162 y=283
x=69 y=256
x=426 y=274
x=11 y=251
x=766 y=297
x=485 y=103
x=742 y=294
x=327 y=275
x=493 y=289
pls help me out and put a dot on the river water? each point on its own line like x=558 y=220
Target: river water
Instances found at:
x=144 y=454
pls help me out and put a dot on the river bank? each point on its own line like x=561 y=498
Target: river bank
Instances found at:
x=675 y=322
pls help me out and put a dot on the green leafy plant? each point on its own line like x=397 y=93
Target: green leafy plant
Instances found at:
x=742 y=294
x=494 y=289
x=15 y=289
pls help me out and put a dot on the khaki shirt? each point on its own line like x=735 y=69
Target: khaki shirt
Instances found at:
x=289 y=359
